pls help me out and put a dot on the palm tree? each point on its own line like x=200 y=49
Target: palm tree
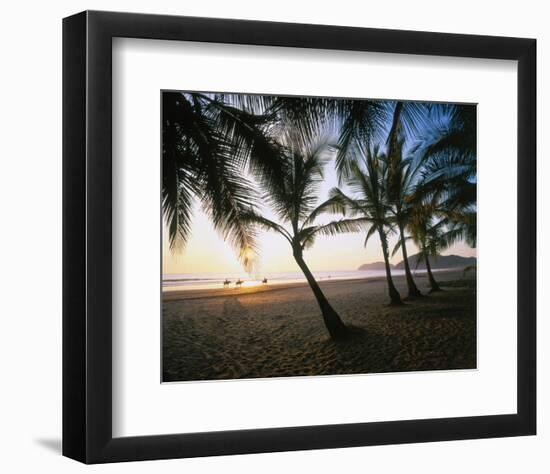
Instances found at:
x=294 y=200
x=444 y=167
x=450 y=181
x=429 y=238
x=355 y=122
x=210 y=141
x=364 y=123
x=404 y=119
x=207 y=148
x=402 y=177
x=452 y=128
x=448 y=153
x=369 y=200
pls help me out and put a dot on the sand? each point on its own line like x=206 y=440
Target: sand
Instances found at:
x=277 y=330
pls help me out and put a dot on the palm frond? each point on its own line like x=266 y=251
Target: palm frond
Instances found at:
x=362 y=121
x=397 y=246
x=252 y=217
x=370 y=233
x=333 y=205
x=342 y=226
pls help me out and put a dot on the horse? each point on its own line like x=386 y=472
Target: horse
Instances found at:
x=239 y=282
x=226 y=283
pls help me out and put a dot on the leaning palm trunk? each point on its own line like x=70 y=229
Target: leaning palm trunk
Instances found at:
x=433 y=284
x=395 y=297
x=335 y=326
x=293 y=201
x=413 y=290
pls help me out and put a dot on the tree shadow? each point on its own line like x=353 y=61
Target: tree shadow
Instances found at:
x=362 y=351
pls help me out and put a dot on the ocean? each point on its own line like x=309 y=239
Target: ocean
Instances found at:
x=203 y=281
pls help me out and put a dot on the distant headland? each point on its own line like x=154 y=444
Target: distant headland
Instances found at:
x=442 y=261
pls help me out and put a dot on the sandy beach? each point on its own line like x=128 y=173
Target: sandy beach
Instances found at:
x=277 y=330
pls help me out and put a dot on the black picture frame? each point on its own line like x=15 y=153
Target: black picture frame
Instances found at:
x=87 y=252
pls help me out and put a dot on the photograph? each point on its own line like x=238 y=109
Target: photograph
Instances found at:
x=316 y=236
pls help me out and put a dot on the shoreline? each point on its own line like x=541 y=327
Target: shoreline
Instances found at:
x=193 y=294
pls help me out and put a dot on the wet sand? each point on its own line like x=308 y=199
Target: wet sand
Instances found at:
x=277 y=330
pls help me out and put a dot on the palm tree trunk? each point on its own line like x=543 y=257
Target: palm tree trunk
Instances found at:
x=393 y=140
x=333 y=323
x=392 y=137
x=395 y=297
x=433 y=284
x=413 y=290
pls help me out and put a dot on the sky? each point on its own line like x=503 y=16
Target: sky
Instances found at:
x=206 y=252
